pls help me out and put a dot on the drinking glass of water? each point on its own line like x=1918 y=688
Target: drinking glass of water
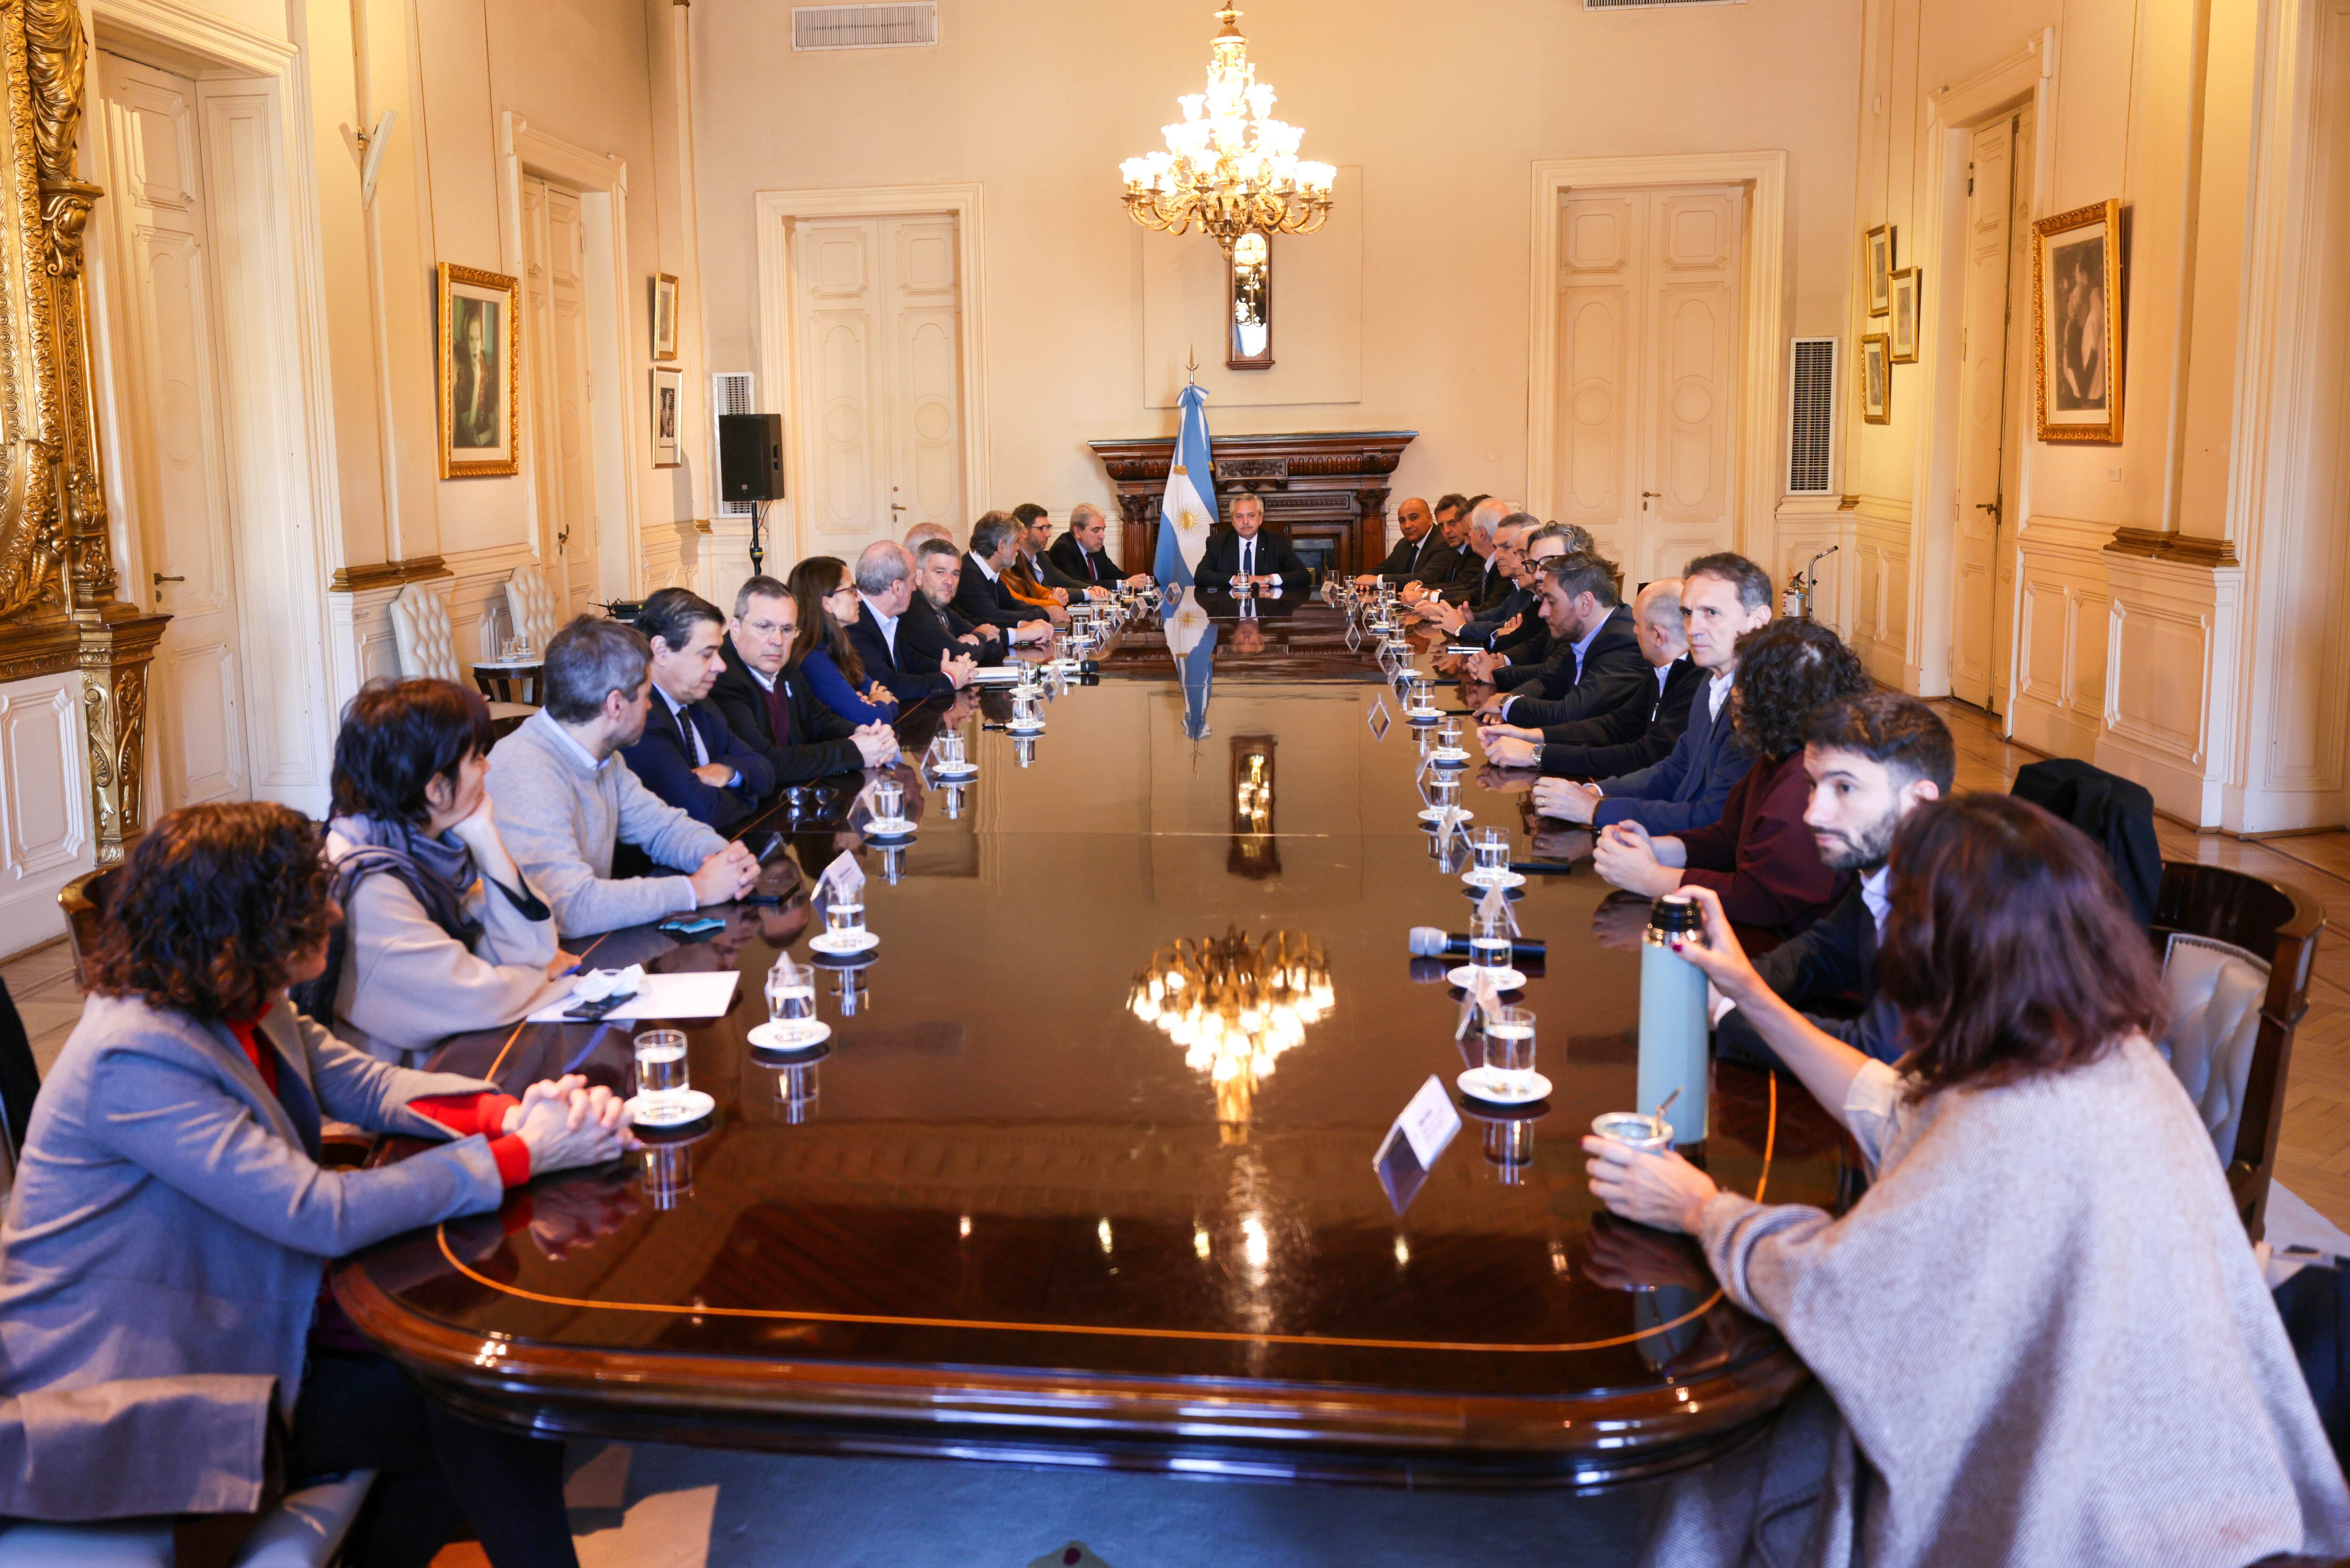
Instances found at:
x=844 y=922
x=1444 y=791
x=661 y=1080
x=1449 y=733
x=791 y=995
x=1491 y=845
x=888 y=798
x=1510 y=1048
x=1489 y=939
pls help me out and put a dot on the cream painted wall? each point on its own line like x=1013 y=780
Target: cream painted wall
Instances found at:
x=1444 y=112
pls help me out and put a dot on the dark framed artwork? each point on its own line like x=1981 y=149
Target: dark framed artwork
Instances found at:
x=2076 y=324
x=1877 y=379
x=1879 y=257
x=481 y=389
x=1902 y=323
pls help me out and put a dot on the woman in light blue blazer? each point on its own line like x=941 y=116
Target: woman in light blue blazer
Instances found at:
x=162 y=1322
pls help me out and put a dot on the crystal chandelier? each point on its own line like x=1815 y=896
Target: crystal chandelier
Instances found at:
x=1234 y=1005
x=1229 y=167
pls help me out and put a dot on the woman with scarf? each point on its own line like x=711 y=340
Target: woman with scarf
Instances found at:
x=440 y=934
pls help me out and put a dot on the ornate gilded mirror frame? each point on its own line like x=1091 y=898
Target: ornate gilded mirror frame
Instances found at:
x=58 y=610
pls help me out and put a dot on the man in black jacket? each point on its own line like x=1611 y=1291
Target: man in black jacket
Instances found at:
x=1480 y=576
x=1873 y=759
x=1626 y=738
x=934 y=631
x=1441 y=558
x=1418 y=525
x=1248 y=552
x=1079 y=552
x=770 y=708
x=885 y=584
x=1595 y=664
x=982 y=596
x=1035 y=553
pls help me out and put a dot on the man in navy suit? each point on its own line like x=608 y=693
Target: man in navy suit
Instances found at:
x=687 y=754
x=1723 y=598
x=885 y=581
x=982 y=596
x=1079 y=551
x=1595 y=665
x=1249 y=554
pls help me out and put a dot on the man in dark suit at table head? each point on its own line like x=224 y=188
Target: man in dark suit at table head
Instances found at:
x=1249 y=555
x=934 y=629
x=1080 y=553
x=885 y=582
x=688 y=754
x=770 y=710
x=982 y=596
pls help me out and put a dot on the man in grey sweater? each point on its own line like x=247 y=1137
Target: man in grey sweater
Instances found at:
x=564 y=798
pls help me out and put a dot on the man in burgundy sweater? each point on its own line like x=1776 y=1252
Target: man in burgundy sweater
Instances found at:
x=1760 y=857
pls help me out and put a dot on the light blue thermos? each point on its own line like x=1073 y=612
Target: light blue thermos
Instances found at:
x=1674 y=1053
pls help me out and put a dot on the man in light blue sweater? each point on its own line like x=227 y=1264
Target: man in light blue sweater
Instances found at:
x=563 y=798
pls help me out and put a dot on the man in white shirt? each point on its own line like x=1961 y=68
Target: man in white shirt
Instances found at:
x=885 y=582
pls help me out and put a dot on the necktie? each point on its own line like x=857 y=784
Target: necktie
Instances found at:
x=691 y=734
x=1248 y=557
x=779 y=713
x=1091 y=570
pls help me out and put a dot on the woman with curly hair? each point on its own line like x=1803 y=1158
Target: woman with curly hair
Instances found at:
x=2039 y=1336
x=1761 y=858
x=827 y=603
x=165 y=1347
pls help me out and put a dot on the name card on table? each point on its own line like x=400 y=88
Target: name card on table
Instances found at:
x=1379 y=719
x=843 y=882
x=1408 y=1152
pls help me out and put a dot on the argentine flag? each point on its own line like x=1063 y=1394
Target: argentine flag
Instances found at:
x=1188 y=510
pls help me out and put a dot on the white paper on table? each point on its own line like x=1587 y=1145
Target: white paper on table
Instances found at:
x=694 y=994
x=996 y=674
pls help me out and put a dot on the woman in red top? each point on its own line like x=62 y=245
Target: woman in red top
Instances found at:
x=170 y=1226
x=1760 y=857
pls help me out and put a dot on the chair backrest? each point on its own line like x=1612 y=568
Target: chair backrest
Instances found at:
x=530 y=604
x=84 y=902
x=422 y=634
x=2112 y=810
x=2278 y=925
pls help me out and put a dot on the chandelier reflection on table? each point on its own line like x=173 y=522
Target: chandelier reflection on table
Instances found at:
x=1234 y=1004
x=1229 y=166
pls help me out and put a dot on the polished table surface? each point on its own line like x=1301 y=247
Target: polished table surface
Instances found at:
x=1003 y=1217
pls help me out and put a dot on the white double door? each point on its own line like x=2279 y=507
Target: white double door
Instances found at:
x=1992 y=345
x=160 y=302
x=562 y=392
x=878 y=399
x=1648 y=357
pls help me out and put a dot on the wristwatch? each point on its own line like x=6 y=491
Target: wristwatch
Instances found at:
x=1538 y=752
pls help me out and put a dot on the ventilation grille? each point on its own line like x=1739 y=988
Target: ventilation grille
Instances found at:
x=865 y=26
x=1811 y=417
x=730 y=393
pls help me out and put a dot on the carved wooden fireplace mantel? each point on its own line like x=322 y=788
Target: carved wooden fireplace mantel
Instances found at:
x=1328 y=492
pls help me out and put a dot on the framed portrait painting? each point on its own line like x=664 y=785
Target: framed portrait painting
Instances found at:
x=1903 y=328
x=2076 y=324
x=664 y=316
x=1879 y=258
x=1877 y=379
x=481 y=354
x=667 y=409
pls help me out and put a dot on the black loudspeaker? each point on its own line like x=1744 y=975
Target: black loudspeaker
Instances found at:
x=751 y=457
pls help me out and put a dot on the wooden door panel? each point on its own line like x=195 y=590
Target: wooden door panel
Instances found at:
x=1983 y=342
x=1600 y=277
x=925 y=402
x=1689 y=377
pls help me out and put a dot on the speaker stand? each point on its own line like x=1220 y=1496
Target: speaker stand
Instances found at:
x=757 y=554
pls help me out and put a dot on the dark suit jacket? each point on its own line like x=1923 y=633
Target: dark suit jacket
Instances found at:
x=926 y=637
x=1619 y=743
x=1222 y=558
x=1829 y=972
x=1615 y=674
x=1104 y=573
x=1403 y=561
x=820 y=743
x=1438 y=562
x=1048 y=572
x=1470 y=584
x=1485 y=630
x=1688 y=788
x=908 y=684
x=663 y=759
x=990 y=603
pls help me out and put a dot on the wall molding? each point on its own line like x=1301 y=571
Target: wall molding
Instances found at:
x=775 y=211
x=2171 y=688
x=386 y=575
x=2063 y=610
x=1762 y=363
x=2160 y=544
x=225 y=44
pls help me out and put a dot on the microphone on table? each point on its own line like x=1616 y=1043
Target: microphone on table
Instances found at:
x=1427 y=941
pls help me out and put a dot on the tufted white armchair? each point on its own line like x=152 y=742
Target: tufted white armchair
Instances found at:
x=530 y=604
x=428 y=647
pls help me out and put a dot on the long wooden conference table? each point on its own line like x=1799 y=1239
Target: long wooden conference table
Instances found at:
x=1007 y=1216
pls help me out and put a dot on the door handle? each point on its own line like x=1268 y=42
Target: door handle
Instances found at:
x=895 y=507
x=1990 y=506
x=160 y=580
x=1648 y=496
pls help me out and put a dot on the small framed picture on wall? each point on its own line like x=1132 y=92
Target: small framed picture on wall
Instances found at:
x=2076 y=323
x=669 y=392
x=1877 y=379
x=1880 y=269
x=1903 y=329
x=664 y=316
x=481 y=351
